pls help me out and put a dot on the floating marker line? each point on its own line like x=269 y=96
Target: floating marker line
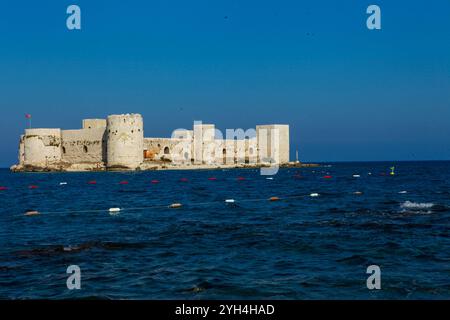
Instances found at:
x=239 y=178
x=173 y=205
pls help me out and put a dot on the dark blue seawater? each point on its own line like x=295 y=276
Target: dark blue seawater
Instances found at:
x=301 y=247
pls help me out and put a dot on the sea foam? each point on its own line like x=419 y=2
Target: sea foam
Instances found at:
x=417 y=205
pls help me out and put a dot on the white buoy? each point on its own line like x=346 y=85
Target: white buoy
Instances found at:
x=403 y=192
x=356 y=176
x=63 y=183
x=32 y=213
x=269 y=178
x=358 y=193
x=230 y=201
x=314 y=195
x=114 y=211
x=370 y=173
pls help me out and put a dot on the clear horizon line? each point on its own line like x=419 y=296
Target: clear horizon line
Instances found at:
x=347 y=161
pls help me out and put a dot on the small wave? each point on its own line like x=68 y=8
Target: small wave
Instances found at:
x=8 y=268
x=132 y=191
x=58 y=249
x=417 y=205
x=423 y=207
x=440 y=208
x=353 y=260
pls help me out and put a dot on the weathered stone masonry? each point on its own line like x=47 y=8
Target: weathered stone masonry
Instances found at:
x=118 y=143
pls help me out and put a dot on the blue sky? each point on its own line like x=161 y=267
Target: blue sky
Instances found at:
x=347 y=92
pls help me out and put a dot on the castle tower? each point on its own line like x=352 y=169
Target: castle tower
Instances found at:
x=41 y=147
x=125 y=143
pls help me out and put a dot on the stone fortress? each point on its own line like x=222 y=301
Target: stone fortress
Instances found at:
x=118 y=143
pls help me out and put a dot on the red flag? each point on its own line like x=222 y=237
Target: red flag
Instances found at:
x=28 y=116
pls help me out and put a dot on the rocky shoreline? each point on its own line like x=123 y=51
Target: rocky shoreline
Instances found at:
x=146 y=166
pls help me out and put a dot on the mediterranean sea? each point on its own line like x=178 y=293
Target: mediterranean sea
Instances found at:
x=299 y=247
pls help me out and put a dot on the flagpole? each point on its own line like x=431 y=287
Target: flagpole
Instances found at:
x=28 y=116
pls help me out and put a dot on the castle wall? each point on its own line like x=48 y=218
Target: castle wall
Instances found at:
x=22 y=150
x=166 y=149
x=251 y=150
x=125 y=142
x=225 y=151
x=214 y=152
x=240 y=151
x=42 y=146
x=84 y=146
x=204 y=135
x=273 y=143
x=237 y=151
x=183 y=134
x=94 y=123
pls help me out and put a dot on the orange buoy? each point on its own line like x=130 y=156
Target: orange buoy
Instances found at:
x=327 y=177
x=33 y=187
x=274 y=199
x=92 y=182
x=123 y=182
x=3 y=188
x=175 y=205
x=155 y=181
x=32 y=213
x=212 y=179
x=184 y=180
x=240 y=178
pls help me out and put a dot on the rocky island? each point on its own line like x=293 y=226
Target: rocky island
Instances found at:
x=118 y=144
